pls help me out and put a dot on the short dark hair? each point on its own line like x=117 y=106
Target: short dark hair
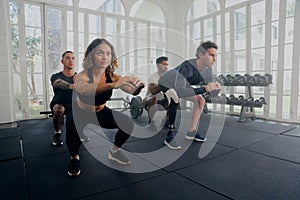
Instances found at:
x=161 y=59
x=63 y=55
x=202 y=48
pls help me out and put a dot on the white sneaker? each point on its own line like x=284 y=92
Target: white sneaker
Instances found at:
x=171 y=94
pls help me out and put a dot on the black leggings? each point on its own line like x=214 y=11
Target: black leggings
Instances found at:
x=106 y=118
x=172 y=109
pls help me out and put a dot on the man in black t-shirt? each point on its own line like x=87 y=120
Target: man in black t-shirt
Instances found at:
x=63 y=85
x=177 y=83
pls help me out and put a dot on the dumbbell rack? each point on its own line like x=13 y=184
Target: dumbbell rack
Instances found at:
x=245 y=113
x=247 y=109
x=257 y=80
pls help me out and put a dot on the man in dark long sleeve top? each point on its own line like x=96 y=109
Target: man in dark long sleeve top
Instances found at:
x=180 y=80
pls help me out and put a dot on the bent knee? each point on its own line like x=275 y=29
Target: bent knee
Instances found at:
x=58 y=110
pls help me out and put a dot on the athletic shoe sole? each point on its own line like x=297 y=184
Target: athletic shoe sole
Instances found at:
x=84 y=139
x=70 y=174
x=117 y=160
x=171 y=147
x=56 y=144
x=193 y=138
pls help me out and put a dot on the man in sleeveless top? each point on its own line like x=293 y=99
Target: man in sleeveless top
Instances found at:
x=63 y=85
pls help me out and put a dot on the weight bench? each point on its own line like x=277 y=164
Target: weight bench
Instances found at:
x=135 y=105
x=49 y=113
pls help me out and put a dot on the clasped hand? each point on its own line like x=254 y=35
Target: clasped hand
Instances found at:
x=213 y=86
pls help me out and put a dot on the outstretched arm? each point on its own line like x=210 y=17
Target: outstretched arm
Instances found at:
x=62 y=84
x=129 y=84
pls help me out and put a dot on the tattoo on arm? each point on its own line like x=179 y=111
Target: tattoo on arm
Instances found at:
x=59 y=83
x=154 y=88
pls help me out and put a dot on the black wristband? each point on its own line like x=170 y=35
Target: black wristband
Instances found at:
x=200 y=90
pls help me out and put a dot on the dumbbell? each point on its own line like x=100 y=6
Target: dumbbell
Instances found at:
x=257 y=76
x=206 y=97
x=269 y=77
x=227 y=100
x=240 y=100
x=230 y=80
x=223 y=99
x=247 y=75
x=251 y=80
x=240 y=80
x=136 y=107
x=262 y=81
x=257 y=103
x=232 y=100
x=215 y=99
x=249 y=101
x=246 y=78
x=222 y=79
x=262 y=100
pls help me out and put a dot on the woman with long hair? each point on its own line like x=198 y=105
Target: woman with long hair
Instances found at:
x=94 y=87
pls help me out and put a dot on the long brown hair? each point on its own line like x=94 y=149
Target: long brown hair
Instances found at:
x=88 y=61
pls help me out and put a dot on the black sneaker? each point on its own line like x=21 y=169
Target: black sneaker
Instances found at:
x=57 y=141
x=119 y=157
x=171 y=142
x=73 y=168
x=194 y=135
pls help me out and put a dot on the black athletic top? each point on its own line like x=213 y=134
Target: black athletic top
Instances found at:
x=98 y=99
x=62 y=96
x=183 y=76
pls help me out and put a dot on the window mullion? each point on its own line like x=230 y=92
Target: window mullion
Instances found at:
x=295 y=65
x=281 y=40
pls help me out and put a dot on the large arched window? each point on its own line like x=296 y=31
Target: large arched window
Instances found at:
x=254 y=37
x=148 y=11
x=109 y=6
x=61 y=2
x=43 y=29
x=199 y=26
x=147 y=37
x=201 y=8
x=233 y=2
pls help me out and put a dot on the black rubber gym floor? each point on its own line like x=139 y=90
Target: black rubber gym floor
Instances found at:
x=249 y=160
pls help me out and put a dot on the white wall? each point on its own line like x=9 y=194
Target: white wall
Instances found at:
x=6 y=111
x=175 y=22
